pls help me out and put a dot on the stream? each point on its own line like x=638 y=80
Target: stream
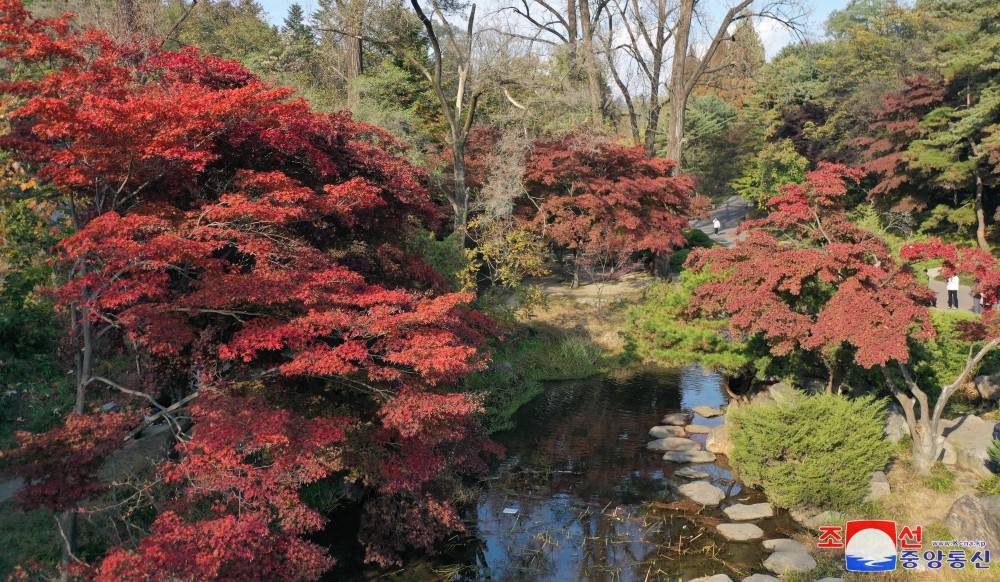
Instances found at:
x=580 y=497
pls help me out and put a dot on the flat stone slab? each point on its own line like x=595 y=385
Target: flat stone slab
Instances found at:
x=740 y=512
x=698 y=429
x=781 y=562
x=673 y=444
x=970 y=437
x=760 y=578
x=702 y=492
x=740 y=532
x=662 y=432
x=784 y=545
x=715 y=578
x=677 y=419
x=691 y=473
x=692 y=456
x=708 y=411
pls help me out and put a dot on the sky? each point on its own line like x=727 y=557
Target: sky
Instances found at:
x=772 y=34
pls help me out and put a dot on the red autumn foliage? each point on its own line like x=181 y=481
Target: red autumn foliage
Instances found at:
x=884 y=152
x=593 y=192
x=239 y=238
x=806 y=278
x=60 y=467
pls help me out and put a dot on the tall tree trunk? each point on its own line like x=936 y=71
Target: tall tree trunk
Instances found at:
x=653 y=119
x=980 y=212
x=678 y=83
x=460 y=197
x=83 y=363
x=590 y=63
x=355 y=47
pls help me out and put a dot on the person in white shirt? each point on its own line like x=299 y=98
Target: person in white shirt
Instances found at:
x=953 y=291
x=716 y=225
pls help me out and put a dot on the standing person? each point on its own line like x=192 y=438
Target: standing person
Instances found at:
x=953 y=291
x=716 y=225
x=977 y=303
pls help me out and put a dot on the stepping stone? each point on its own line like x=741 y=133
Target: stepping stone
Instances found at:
x=673 y=444
x=715 y=578
x=760 y=578
x=662 y=432
x=784 y=545
x=698 y=429
x=691 y=473
x=740 y=512
x=781 y=562
x=689 y=457
x=703 y=493
x=677 y=419
x=740 y=532
x=707 y=411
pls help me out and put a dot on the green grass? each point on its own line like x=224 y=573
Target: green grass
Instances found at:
x=989 y=486
x=941 y=479
x=26 y=536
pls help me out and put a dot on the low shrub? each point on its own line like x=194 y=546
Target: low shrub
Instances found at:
x=569 y=358
x=818 y=452
x=994 y=453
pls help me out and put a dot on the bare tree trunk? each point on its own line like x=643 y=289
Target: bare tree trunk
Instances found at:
x=678 y=81
x=128 y=17
x=460 y=197
x=980 y=212
x=590 y=63
x=355 y=48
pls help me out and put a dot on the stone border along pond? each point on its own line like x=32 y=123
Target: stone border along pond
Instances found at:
x=679 y=436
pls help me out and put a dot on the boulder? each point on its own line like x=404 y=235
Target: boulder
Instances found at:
x=895 y=425
x=970 y=437
x=691 y=473
x=762 y=398
x=976 y=460
x=673 y=444
x=702 y=492
x=760 y=578
x=662 y=432
x=988 y=387
x=740 y=512
x=698 y=429
x=689 y=457
x=781 y=562
x=784 y=545
x=677 y=419
x=783 y=393
x=970 y=519
x=740 y=532
x=949 y=456
x=718 y=440
x=708 y=411
x=878 y=486
x=715 y=578
x=828 y=517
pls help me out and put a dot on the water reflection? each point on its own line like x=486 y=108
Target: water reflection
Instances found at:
x=585 y=499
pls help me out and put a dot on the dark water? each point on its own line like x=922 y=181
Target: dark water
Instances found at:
x=585 y=499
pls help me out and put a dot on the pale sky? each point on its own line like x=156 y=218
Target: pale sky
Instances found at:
x=773 y=35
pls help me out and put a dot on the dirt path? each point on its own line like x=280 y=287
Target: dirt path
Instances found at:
x=9 y=488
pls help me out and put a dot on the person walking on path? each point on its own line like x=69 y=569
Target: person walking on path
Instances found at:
x=953 y=284
x=716 y=225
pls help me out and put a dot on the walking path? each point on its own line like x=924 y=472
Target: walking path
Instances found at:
x=940 y=287
x=730 y=213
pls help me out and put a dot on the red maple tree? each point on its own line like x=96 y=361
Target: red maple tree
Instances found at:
x=806 y=278
x=594 y=194
x=252 y=250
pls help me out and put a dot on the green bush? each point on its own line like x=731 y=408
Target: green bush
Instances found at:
x=994 y=453
x=446 y=257
x=569 y=358
x=819 y=452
